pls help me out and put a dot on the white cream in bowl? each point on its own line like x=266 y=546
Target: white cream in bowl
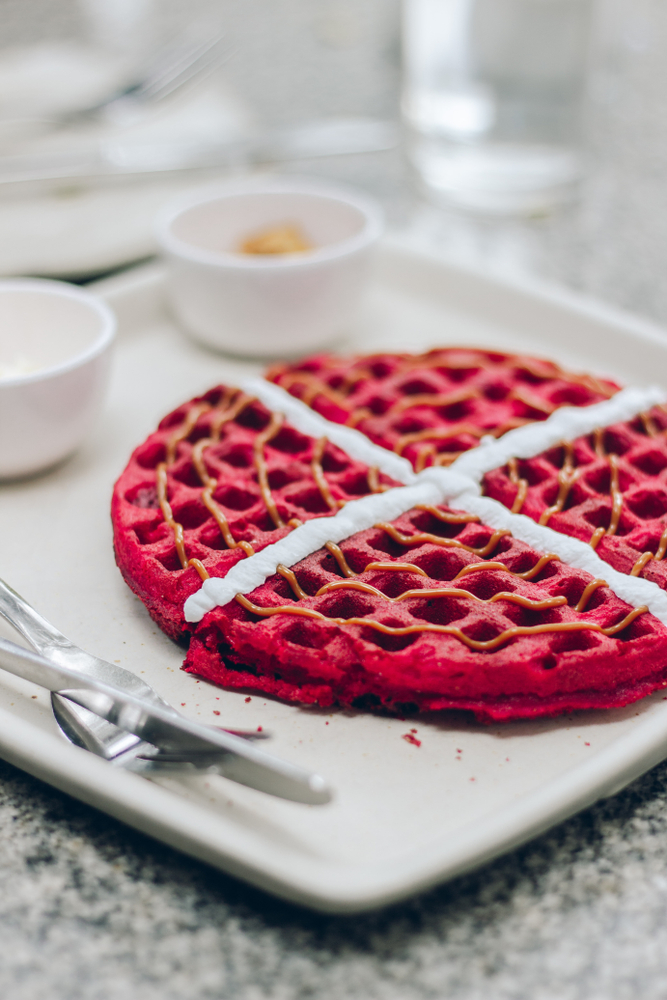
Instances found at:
x=55 y=343
x=268 y=305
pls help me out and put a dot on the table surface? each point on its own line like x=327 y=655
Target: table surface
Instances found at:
x=91 y=909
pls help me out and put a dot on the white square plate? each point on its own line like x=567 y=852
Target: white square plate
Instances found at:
x=404 y=817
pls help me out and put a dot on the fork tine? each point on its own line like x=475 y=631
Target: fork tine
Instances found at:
x=190 y=62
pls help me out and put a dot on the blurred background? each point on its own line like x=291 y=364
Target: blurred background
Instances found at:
x=290 y=63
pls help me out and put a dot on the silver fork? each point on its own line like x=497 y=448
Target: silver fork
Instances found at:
x=171 y=69
x=77 y=724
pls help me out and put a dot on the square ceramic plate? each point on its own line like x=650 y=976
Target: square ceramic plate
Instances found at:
x=404 y=817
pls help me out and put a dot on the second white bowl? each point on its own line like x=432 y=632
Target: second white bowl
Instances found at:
x=268 y=305
x=55 y=346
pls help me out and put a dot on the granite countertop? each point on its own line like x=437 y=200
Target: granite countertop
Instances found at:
x=91 y=909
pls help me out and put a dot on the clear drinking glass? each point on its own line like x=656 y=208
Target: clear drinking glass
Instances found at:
x=492 y=99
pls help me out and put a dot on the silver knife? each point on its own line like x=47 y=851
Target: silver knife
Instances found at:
x=232 y=756
x=77 y=724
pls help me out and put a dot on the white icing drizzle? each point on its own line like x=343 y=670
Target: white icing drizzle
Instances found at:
x=357 y=515
x=564 y=424
x=632 y=589
x=349 y=440
x=458 y=484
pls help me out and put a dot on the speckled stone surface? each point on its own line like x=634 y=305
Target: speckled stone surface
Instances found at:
x=91 y=909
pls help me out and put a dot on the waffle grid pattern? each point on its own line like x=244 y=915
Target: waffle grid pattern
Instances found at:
x=432 y=407
x=608 y=489
x=222 y=478
x=145 y=542
x=319 y=662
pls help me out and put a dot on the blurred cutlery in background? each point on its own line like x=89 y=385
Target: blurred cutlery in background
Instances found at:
x=171 y=69
x=108 y=160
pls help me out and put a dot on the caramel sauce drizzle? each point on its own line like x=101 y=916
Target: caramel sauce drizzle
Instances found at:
x=274 y=425
x=597 y=535
x=225 y=414
x=526 y=575
x=186 y=428
x=367 y=588
x=318 y=475
x=446 y=457
x=448 y=517
x=591 y=382
x=616 y=499
x=442 y=433
x=357 y=416
x=442 y=361
x=521 y=485
x=534 y=402
x=424 y=536
x=222 y=522
x=201 y=569
x=588 y=592
x=423 y=455
x=646 y=557
x=436 y=433
x=539 y=368
x=314 y=387
x=435 y=399
x=373 y=479
x=353 y=378
x=179 y=542
x=338 y=555
x=598 y=438
x=397 y=567
x=289 y=575
x=509 y=425
x=641 y=563
x=488 y=644
x=567 y=477
x=662 y=546
x=616 y=496
x=649 y=424
x=437 y=457
x=552 y=370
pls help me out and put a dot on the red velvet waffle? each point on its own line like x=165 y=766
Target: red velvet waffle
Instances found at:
x=521 y=634
x=607 y=489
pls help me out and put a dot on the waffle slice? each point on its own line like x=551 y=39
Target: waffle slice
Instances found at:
x=433 y=407
x=356 y=590
x=438 y=612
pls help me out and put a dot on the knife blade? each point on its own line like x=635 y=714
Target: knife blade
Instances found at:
x=232 y=756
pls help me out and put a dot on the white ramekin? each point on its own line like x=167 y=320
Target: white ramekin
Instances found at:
x=269 y=305
x=65 y=334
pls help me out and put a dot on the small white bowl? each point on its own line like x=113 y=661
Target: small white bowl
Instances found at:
x=272 y=304
x=55 y=344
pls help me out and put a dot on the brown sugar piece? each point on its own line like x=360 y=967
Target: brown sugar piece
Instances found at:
x=277 y=239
